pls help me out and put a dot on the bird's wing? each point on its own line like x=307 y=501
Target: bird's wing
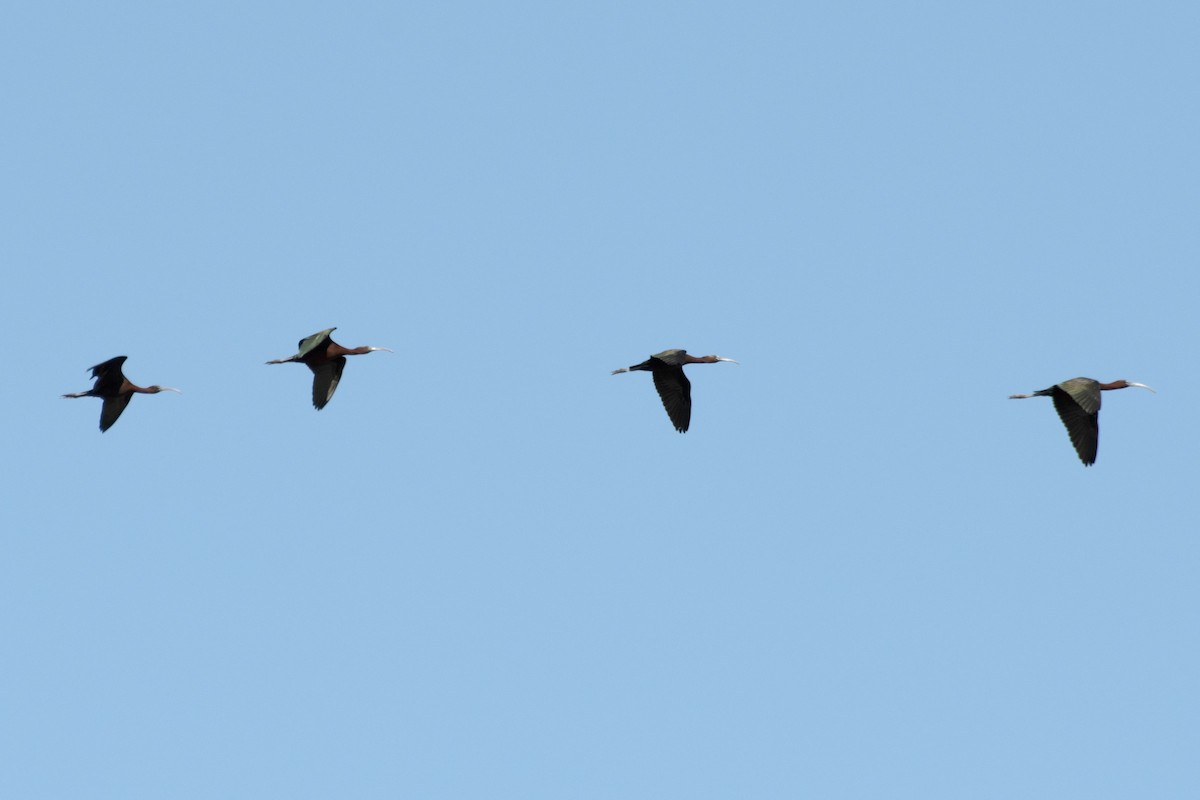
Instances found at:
x=1082 y=426
x=108 y=377
x=325 y=380
x=113 y=406
x=1085 y=392
x=675 y=390
x=306 y=346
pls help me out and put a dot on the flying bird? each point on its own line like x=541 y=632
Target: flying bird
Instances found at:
x=326 y=358
x=115 y=389
x=674 y=388
x=1078 y=404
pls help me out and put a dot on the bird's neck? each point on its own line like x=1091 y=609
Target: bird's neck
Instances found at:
x=337 y=350
x=1114 y=385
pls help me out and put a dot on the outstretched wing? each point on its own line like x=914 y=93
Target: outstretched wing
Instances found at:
x=325 y=380
x=1085 y=392
x=306 y=346
x=675 y=391
x=113 y=406
x=109 y=377
x=1082 y=426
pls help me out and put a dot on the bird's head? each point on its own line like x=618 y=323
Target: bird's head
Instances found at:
x=689 y=359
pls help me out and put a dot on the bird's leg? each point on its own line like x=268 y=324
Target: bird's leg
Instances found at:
x=78 y=394
x=645 y=366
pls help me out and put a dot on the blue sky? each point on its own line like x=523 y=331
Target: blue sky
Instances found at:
x=490 y=569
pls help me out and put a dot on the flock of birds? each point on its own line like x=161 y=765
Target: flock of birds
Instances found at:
x=319 y=352
x=1077 y=400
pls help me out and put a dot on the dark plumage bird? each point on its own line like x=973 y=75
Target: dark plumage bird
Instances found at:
x=326 y=358
x=673 y=386
x=1077 y=402
x=115 y=389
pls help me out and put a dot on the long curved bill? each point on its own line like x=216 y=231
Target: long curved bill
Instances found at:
x=170 y=389
x=1144 y=386
x=730 y=360
x=384 y=349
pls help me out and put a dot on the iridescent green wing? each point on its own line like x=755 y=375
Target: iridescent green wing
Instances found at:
x=1085 y=392
x=1083 y=426
x=306 y=346
x=672 y=357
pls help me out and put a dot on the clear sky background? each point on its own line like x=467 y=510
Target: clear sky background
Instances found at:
x=489 y=569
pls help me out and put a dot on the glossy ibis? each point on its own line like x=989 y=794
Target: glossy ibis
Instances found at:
x=1078 y=404
x=673 y=386
x=115 y=389
x=326 y=358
